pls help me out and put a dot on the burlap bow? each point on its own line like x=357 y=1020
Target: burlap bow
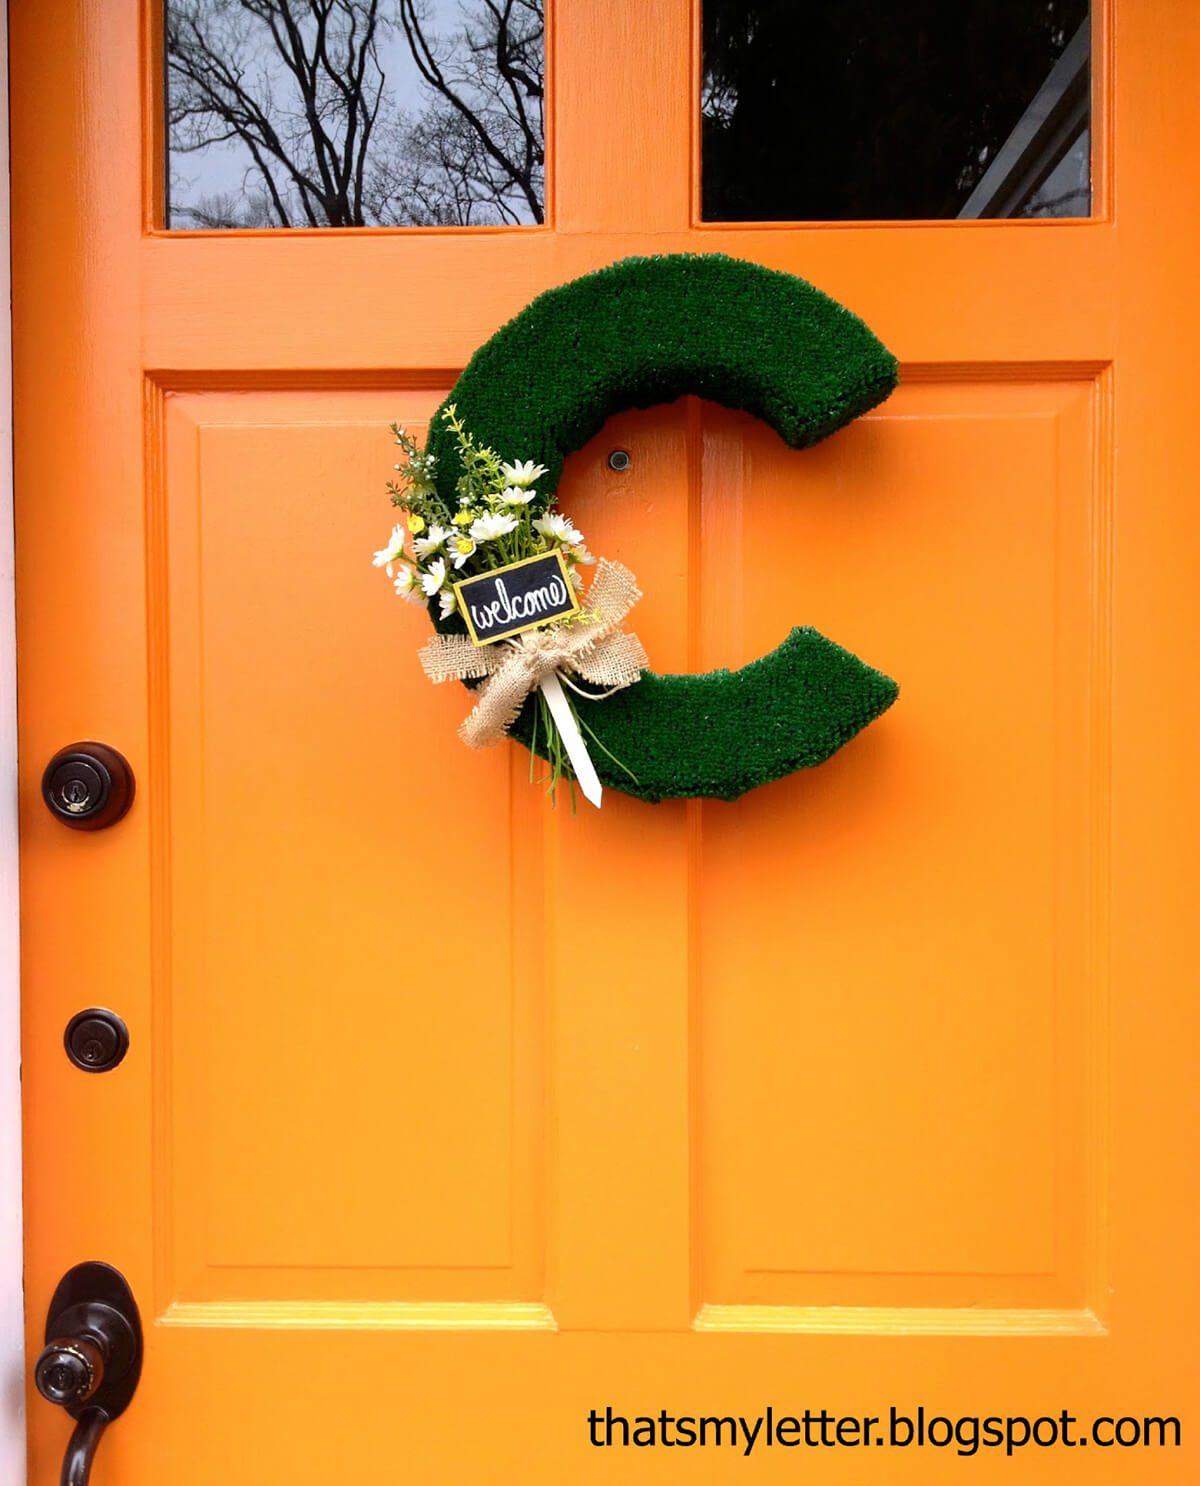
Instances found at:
x=592 y=646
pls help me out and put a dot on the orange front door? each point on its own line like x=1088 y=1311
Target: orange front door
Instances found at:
x=448 y=1119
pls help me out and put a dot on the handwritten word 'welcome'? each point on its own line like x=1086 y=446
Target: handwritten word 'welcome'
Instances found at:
x=505 y=609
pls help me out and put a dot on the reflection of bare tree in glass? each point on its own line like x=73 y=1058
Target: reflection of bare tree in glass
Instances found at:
x=297 y=92
x=481 y=144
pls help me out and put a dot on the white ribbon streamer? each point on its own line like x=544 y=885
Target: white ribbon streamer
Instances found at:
x=568 y=731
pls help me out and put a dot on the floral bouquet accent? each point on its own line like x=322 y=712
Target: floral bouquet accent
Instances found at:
x=501 y=521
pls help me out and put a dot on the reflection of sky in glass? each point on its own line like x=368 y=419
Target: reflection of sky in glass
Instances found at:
x=222 y=168
x=222 y=174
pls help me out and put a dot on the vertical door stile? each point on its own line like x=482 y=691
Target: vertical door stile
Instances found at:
x=622 y=136
x=619 y=882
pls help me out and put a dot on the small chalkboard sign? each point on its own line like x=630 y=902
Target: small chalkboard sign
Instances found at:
x=508 y=601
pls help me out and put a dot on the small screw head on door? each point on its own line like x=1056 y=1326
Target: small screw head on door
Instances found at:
x=620 y=460
x=96 y=1040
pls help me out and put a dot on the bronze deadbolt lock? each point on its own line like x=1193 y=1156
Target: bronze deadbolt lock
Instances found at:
x=88 y=786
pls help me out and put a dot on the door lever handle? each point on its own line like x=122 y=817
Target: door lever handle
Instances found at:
x=92 y=1359
x=81 y=1447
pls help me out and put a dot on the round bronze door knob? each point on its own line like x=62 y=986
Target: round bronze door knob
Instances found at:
x=88 y=786
x=69 y=1371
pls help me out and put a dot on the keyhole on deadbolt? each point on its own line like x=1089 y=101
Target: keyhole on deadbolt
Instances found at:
x=75 y=794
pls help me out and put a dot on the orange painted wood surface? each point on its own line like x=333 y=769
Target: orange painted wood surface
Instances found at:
x=874 y=1088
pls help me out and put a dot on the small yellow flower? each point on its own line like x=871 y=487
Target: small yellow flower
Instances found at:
x=416 y=525
x=464 y=518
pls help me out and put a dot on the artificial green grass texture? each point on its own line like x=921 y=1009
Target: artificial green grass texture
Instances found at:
x=717 y=735
x=646 y=331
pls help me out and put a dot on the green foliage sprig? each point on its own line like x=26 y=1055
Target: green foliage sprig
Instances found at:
x=494 y=525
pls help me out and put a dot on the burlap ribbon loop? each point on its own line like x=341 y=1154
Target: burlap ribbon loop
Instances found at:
x=592 y=646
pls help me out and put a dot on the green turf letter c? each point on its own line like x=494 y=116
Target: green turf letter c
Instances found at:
x=646 y=331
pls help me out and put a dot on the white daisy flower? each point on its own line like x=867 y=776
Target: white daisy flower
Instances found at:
x=433 y=577
x=408 y=586
x=558 y=529
x=523 y=475
x=461 y=548
x=581 y=555
x=430 y=541
x=448 y=600
x=493 y=525
x=386 y=556
x=514 y=496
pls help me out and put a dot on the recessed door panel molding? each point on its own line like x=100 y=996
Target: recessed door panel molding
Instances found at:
x=398 y=1156
x=977 y=1020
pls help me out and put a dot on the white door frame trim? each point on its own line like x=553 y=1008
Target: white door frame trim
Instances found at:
x=12 y=1348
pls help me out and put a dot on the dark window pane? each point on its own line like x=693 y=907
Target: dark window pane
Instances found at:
x=354 y=113
x=843 y=110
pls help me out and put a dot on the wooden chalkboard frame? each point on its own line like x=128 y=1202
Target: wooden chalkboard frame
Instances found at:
x=482 y=580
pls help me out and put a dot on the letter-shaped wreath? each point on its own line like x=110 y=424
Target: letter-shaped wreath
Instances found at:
x=646 y=331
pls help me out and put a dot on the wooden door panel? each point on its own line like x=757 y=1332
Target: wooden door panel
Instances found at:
x=352 y=1115
x=911 y=929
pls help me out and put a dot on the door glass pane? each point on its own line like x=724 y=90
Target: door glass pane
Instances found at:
x=877 y=109
x=354 y=113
